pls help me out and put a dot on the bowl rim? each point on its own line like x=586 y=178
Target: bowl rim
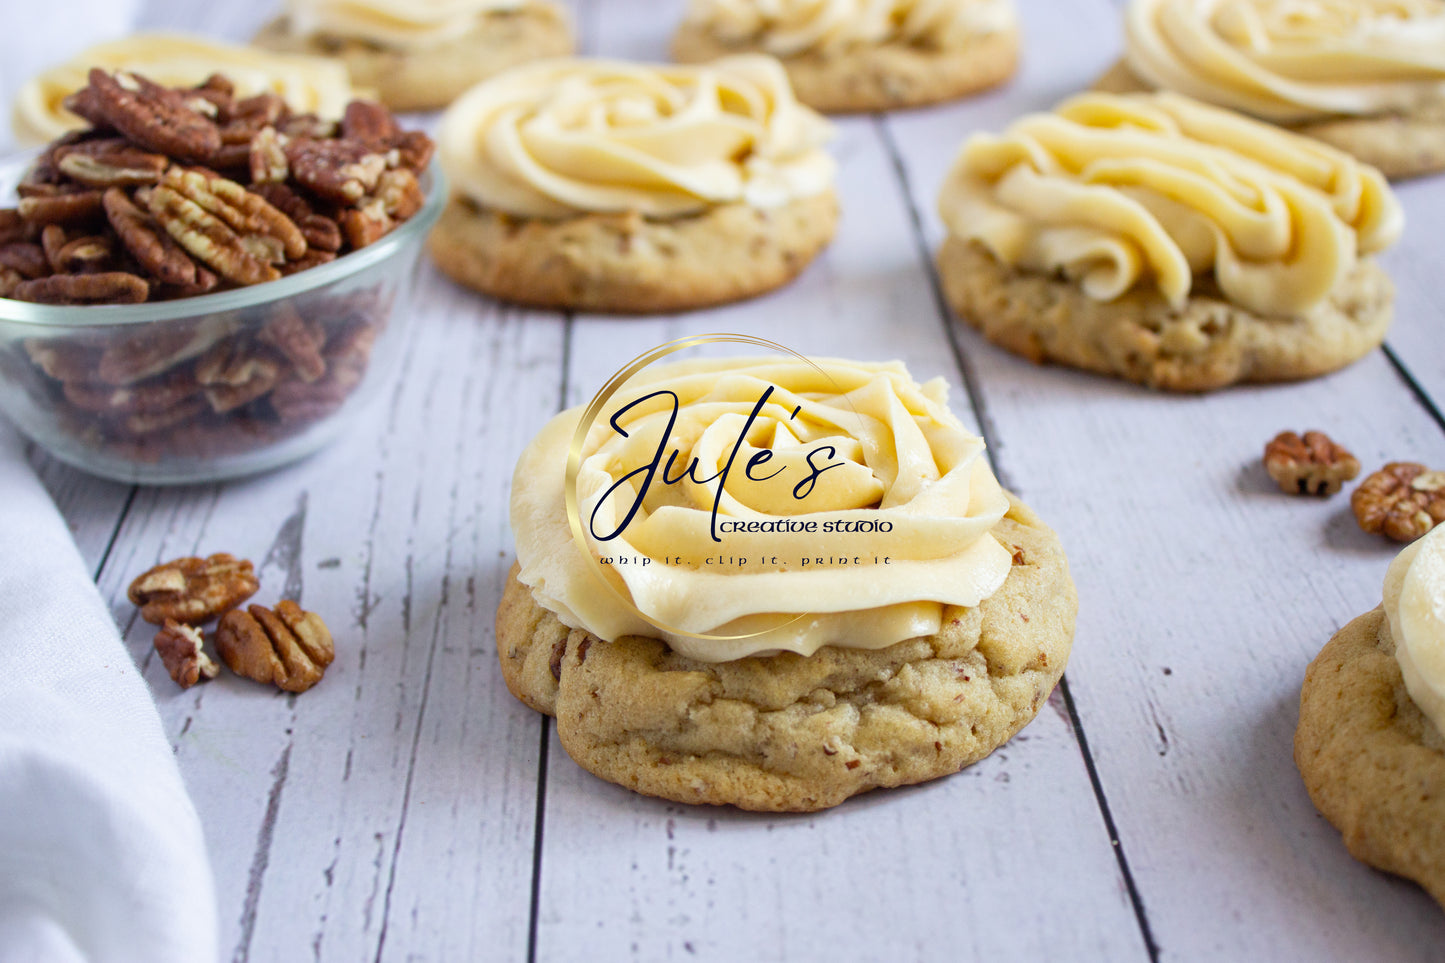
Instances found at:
x=78 y=316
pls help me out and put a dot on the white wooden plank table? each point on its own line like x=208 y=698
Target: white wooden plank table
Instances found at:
x=409 y=809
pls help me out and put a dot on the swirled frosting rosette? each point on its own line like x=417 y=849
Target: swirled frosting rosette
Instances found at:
x=786 y=28
x=1293 y=60
x=307 y=84
x=1121 y=191
x=790 y=505
x=567 y=137
x=1415 y=606
x=411 y=25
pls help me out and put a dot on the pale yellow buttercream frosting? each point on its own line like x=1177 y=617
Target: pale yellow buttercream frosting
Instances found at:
x=786 y=28
x=1415 y=606
x=1151 y=190
x=564 y=137
x=411 y=25
x=900 y=460
x=1293 y=60
x=307 y=84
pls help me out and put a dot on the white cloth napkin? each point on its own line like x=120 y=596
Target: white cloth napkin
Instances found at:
x=101 y=853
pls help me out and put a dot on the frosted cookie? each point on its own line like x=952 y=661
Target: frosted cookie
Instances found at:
x=609 y=186
x=1372 y=711
x=856 y=55
x=420 y=54
x=1167 y=242
x=1367 y=76
x=780 y=668
x=307 y=84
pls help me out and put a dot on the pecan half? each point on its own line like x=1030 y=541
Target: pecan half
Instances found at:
x=152 y=247
x=27 y=259
x=288 y=647
x=268 y=157
x=153 y=117
x=1402 y=500
x=368 y=121
x=143 y=423
x=107 y=287
x=343 y=171
x=85 y=255
x=147 y=397
x=192 y=589
x=63 y=359
x=233 y=374
x=181 y=652
x=208 y=238
x=1308 y=465
x=75 y=207
x=153 y=350
x=12 y=227
x=321 y=232
x=110 y=162
x=298 y=340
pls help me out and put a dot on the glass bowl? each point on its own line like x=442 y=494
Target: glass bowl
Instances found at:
x=216 y=386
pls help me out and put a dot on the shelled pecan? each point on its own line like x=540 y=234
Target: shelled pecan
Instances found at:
x=192 y=590
x=285 y=647
x=1310 y=464
x=180 y=647
x=1403 y=500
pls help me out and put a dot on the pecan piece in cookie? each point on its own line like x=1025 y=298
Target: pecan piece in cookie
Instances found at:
x=1402 y=500
x=1308 y=465
x=288 y=648
x=107 y=287
x=154 y=117
x=180 y=648
x=192 y=589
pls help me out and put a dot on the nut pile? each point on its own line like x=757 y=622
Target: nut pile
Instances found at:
x=175 y=192
x=286 y=647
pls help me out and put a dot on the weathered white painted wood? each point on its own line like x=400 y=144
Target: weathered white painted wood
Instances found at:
x=902 y=874
x=389 y=810
x=1417 y=337
x=1205 y=593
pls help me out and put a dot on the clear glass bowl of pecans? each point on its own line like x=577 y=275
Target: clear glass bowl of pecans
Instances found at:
x=201 y=286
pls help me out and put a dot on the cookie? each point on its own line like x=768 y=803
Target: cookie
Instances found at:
x=885 y=76
x=1207 y=343
x=598 y=185
x=1401 y=144
x=425 y=79
x=630 y=264
x=1373 y=763
x=796 y=733
x=1168 y=242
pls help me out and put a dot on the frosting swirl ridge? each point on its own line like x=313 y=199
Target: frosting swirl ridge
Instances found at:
x=395 y=24
x=833 y=469
x=307 y=84
x=1415 y=605
x=1119 y=191
x=563 y=137
x=786 y=28
x=1292 y=60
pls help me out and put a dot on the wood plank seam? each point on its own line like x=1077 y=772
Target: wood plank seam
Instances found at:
x=987 y=429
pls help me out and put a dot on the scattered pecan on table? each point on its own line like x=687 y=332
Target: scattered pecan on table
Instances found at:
x=180 y=648
x=1311 y=464
x=193 y=590
x=1403 y=500
x=286 y=647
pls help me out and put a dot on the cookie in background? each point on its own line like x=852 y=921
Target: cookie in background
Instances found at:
x=1167 y=242
x=307 y=84
x=1372 y=711
x=420 y=54
x=862 y=55
x=619 y=187
x=1367 y=76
